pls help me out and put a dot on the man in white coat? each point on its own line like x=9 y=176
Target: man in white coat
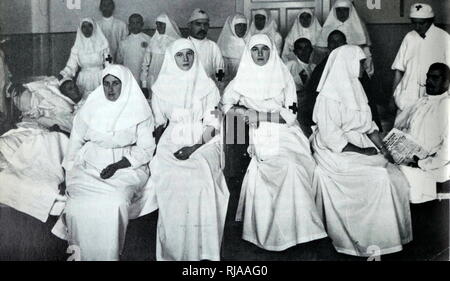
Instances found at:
x=132 y=50
x=427 y=122
x=423 y=46
x=208 y=51
x=114 y=29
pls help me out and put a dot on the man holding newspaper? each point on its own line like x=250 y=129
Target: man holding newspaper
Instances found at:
x=419 y=141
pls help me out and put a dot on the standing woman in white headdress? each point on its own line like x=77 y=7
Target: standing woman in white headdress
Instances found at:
x=107 y=165
x=191 y=192
x=345 y=18
x=306 y=25
x=166 y=32
x=232 y=42
x=277 y=196
x=264 y=23
x=365 y=198
x=88 y=54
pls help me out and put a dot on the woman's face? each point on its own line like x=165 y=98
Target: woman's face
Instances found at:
x=260 y=54
x=342 y=13
x=305 y=20
x=240 y=29
x=112 y=87
x=161 y=27
x=185 y=59
x=87 y=28
x=260 y=22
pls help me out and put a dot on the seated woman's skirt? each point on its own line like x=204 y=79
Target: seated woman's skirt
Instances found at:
x=365 y=201
x=97 y=210
x=277 y=201
x=192 y=198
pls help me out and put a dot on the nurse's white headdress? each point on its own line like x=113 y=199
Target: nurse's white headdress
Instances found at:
x=353 y=28
x=261 y=82
x=311 y=32
x=130 y=109
x=97 y=42
x=229 y=43
x=160 y=42
x=180 y=87
x=340 y=78
x=270 y=28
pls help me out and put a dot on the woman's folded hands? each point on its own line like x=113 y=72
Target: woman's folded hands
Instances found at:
x=109 y=171
x=186 y=152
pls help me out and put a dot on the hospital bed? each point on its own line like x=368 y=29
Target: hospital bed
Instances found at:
x=16 y=181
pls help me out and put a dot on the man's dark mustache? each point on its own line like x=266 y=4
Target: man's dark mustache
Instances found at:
x=201 y=32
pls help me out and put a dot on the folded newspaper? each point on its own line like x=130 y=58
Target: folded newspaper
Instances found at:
x=403 y=147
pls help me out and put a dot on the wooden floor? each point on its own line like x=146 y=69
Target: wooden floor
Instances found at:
x=25 y=238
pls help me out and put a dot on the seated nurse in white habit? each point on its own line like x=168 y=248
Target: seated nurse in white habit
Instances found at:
x=277 y=198
x=106 y=165
x=365 y=198
x=427 y=121
x=191 y=192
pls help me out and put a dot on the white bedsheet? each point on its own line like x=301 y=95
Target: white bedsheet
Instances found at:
x=31 y=171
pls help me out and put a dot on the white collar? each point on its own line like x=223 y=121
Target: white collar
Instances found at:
x=198 y=40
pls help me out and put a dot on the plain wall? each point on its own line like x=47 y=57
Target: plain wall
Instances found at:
x=46 y=53
x=43 y=16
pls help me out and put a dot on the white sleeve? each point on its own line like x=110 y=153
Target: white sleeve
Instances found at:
x=120 y=54
x=211 y=117
x=76 y=142
x=287 y=49
x=123 y=33
x=442 y=156
x=439 y=160
x=230 y=98
x=400 y=60
x=290 y=107
x=71 y=66
x=145 y=67
x=296 y=76
x=157 y=106
x=328 y=120
x=218 y=59
x=142 y=153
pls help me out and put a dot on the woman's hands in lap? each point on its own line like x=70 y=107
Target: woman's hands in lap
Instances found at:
x=109 y=171
x=185 y=152
x=369 y=151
